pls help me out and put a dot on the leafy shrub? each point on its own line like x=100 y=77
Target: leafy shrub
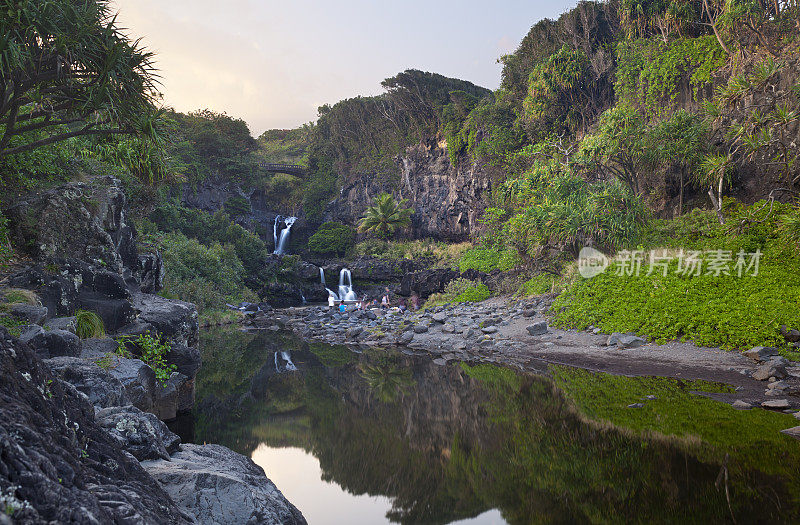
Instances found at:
x=152 y=349
x=332 y=238
x=486 y=259
x=5 y=242
x=561 y=211
x=461 y=291
x=443 y=254
x=728 y=311
x=208 y=276
x=88 y=324
x=237 y=206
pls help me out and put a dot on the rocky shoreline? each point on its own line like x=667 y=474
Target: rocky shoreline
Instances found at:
x=82 y=431
x=516 y=333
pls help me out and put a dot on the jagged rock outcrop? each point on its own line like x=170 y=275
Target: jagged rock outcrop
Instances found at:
x=58 y=465
x=85 y=257
x=84 y=221
x=222 y=486
x=447 y=200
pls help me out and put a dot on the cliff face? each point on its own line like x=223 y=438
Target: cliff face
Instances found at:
x=447 y=200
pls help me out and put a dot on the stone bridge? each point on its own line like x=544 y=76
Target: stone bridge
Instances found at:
x=291 y=169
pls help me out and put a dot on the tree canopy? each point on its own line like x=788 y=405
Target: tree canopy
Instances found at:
x=66 y=70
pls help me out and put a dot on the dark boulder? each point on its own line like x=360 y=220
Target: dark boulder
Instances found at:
x=58 y=465
x=52 y=343
x=83 y=221
x=29 y=313
x=137 y=432
x=151 y=272
x=115 y=313
x=427 y=282
x=102 y=389
x=175 y=320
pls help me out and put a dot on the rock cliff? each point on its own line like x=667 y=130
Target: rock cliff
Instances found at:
x=447 y=200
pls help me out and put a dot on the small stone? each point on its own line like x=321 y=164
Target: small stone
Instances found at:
x=420 y=328
x=776 y=404
x=768 y=370
x=797 y=415
x=539 y=328
x=635 y=405
x=440 y=317
x=761 y=353
x=448 y=328
x=489 y=329
x=791 y=335
x=792 y=432
x=439 y=361
x=406 y=337
x=741 y=405
x=778 y=385
x=353 y=332
x=596 y=331
x=651 y=397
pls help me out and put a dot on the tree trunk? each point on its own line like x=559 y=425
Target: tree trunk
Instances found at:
x=717 y=202
x=680 y=197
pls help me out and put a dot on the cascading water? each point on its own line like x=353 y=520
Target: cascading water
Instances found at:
x=322 y=276
x=280 y=243
x=288 y=358
x=275 y=232
x=346 y=292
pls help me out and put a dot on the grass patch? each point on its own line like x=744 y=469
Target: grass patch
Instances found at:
x=460 y=291
x=88 y=325
x=486 y=259
x=445 y=255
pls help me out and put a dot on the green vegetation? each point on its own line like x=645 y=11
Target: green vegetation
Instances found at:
x=152 y=350
x=441 y=254
x=207 y=275
x=67 y=71
x=385 y=216
x=88 y=324
x=715 y=310
x=460 y=291
x=332 y=238
x=486 y=259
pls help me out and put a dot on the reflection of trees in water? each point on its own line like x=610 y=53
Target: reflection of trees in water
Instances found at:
x=445 y=444
x=387 y=382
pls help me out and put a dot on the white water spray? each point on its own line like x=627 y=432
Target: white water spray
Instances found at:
x=288 y=358
x=346 y=292
x=280 y=244
x=322 y=277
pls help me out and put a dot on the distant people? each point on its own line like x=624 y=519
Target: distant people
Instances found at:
x=342 y=307
x=385 y=302
x=331 y=301
x=402 y=306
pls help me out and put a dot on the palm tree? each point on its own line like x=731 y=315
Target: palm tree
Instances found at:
x=385 y=216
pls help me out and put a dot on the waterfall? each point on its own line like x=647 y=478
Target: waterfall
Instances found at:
x=280 y=244
x=275 y=231
x=346 y=292
x=276 y=361
x=322 y=277
x=288 y=358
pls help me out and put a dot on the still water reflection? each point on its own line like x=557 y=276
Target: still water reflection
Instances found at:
x=379 y=436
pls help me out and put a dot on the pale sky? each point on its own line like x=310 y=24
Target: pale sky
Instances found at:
x=273 y=63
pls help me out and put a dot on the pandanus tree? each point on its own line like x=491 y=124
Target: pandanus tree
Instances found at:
x=385 y=216
x=66 y=71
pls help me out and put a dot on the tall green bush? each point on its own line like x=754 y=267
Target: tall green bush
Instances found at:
x=332 y=238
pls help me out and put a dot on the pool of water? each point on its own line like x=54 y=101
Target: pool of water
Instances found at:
x=378 y=436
